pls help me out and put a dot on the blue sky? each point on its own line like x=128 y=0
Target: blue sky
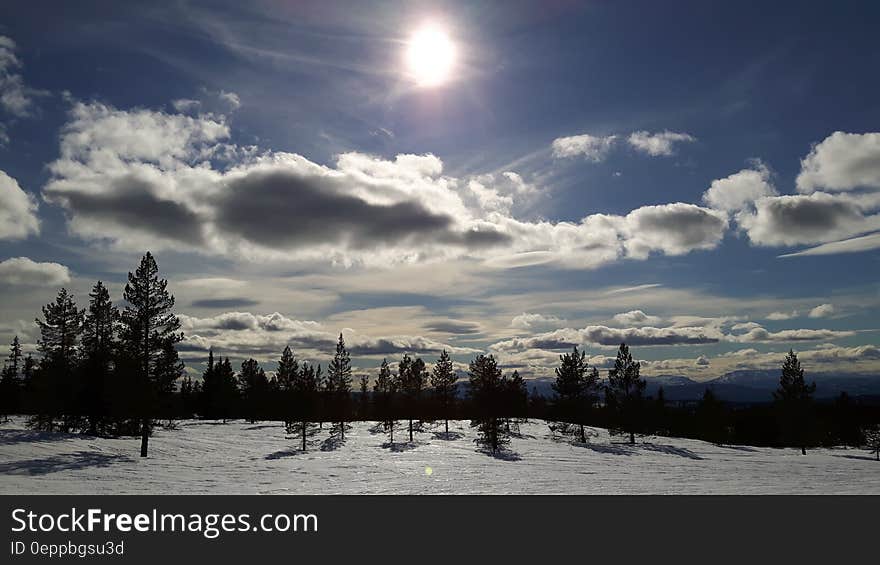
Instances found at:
x=588 y=172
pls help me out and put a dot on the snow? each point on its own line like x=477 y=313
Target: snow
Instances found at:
x=243 y=458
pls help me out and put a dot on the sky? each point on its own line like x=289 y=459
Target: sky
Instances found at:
x=700 y=180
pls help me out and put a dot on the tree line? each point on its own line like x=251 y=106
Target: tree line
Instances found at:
x=108 y=371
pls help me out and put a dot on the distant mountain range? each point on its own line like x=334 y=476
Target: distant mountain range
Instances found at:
x=747 y=386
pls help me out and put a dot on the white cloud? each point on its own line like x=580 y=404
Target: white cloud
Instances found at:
x=822 y=311
x=761 y=335
x=16 y=97
x=782 y=315
x=841 y=162
x=593 y=148
x=852 y=245
x=18 y=210
x=25 y=272
x=673 y=229
x=636 y=318
x=527 y=321
x=243 y=334
x=145 y=179
x=740 y=190
x=604 y=336
x=807 y=219
x=658 y=144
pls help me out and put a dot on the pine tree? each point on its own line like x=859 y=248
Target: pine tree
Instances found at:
x=305 y=387
x=169 y=369
x=872 y=441
x=148 y=325
x=794 y=402
x=624 y=394
x=100 y=329
x=516 y=402
x=443 y=381
x=384 y=391
x=711 y=418
x=339 y=386
x=412 y=376
x=59 y=338
x=286 y=374
x=575 y=389
x=364 y=390
x=253 y=388
x=10 y=381
x=227 y=389
x=14 y=361
x=486 y=393
x=288 y=366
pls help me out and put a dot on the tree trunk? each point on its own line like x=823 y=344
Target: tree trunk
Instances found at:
x=410 y=432
x=632 y=438
x=145 y=436
x=583 y=435
x=447 y=428
x=392 y=431
x=803 y=450
x=304 y=434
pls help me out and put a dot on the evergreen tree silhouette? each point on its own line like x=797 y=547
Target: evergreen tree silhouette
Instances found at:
x=486 y=394
x=575 y=387
x=339 y=386
x=60 y=331
x=210 y=388
x=443 y=381
x=872 y=441
x=384 y=391
x=712 y=418
x=305 y=387
x=148 y=325
x=412 y=376
x=794 y=399
x=364 y=400
x=11 y=382
x=516 y=401
x=227 y=389
x=285 y=375
x=99 y=340
x=169 y=369
x=253 y=387
x=624 y=394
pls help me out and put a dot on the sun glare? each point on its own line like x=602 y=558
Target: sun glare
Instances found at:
x=430 y=56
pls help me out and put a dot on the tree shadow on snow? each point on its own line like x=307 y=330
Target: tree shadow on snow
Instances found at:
x=501 y=454
x=738 y=447
x=451 y=436
x=332 y=443
x=377 y=428
x=281 y=454
x=58 y=463
x=862 y=457
x=11 y=437
x=606 y=448
x=400 y=447
x=263 y=426
x=671 y=450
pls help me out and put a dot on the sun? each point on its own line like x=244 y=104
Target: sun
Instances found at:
x=430 y=56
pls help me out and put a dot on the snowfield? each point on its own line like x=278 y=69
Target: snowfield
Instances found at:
x=243 y=458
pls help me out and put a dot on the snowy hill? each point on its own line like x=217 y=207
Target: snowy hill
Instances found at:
x=239 y=457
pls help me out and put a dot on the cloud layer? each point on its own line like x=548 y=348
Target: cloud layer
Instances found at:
x=22 y=271
x=18 y=210
x=144 y=178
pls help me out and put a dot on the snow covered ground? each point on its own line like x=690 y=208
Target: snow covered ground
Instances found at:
x=239 y=457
